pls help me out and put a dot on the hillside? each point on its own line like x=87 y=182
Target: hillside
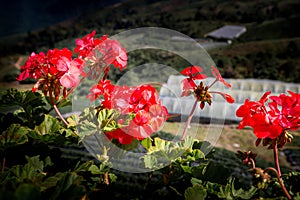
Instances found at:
x=269 y=48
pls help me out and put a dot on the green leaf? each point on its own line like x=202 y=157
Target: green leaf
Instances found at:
x=103 y=168
x=107 y=119
x=161 y=144
x=23 y=172
x=112 y=177
x=37 y=164
x=83 y=167
x=65 y=185
x=27 y=192
x=212 y=188
x=106 y=114
x=51 y=181
x=196 y=181
x=187 y=142
x=48 y=162
x=197 y=192
x=244 y=194
x=33 y=170
x=50 y=125
x=147 y=143
x=73 y=120
x=88 y=123
x=198 y=154
x=151 y=162
x=186 y=168
x=92 y=121
x=67 y=132
x=47 y=139
x=32 y=103
x=229 y=191
x=225 y=192
x=14 y=135
x=199 y=171
x=32 y=99
x=68 y=186
x=86 y=128
x=94 y=169
x=89 y=113
x=164 y=152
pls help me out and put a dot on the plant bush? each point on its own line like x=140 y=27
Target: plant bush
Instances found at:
x=36 y=139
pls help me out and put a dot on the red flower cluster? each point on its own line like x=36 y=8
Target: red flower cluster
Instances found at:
x=283 y=114
x=57 y=69
x=111 y=52
x=141 y=101
x=53 y=70
x=86 y=45
x=200 y=91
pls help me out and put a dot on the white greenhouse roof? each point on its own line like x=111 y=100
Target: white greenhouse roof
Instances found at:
x=227 y=32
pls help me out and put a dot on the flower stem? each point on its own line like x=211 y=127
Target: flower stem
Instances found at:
x=276 y=159
x=59 y=115
x=252 y=162
x=279 y=181
x=216 y=80
x=62 y=118
x=56 y=109
x=3 y=164
x=189 y=120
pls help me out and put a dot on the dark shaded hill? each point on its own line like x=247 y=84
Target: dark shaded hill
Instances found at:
x=17 y=16
x=269 y=49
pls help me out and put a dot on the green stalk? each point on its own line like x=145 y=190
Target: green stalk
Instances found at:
x=276 y=159
x=189 y=120
x=3 y=164
x=287 y=194
x=56 y=109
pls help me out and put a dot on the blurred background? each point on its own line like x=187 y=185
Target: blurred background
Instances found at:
x=269 y=49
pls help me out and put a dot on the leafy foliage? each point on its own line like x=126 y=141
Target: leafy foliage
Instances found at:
x=33 y=165
x=14 y=135
x=162 y=151
x=26 y=107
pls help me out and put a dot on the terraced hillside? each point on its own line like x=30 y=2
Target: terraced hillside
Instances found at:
x=269 y=49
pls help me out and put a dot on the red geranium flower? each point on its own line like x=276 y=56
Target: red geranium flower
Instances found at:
x=104 y=87
x=201 y=92
x=142 y=126
x=53 y=70
x=86 y=44
x=32 y=67
x=141 y=101
x=121 y=135
x=71 y=78
x=194 y=72
x=286 y=110
x=113 y=53
x=188 y=85
x=283 y=114
x=100 y=54
x=218 y=76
